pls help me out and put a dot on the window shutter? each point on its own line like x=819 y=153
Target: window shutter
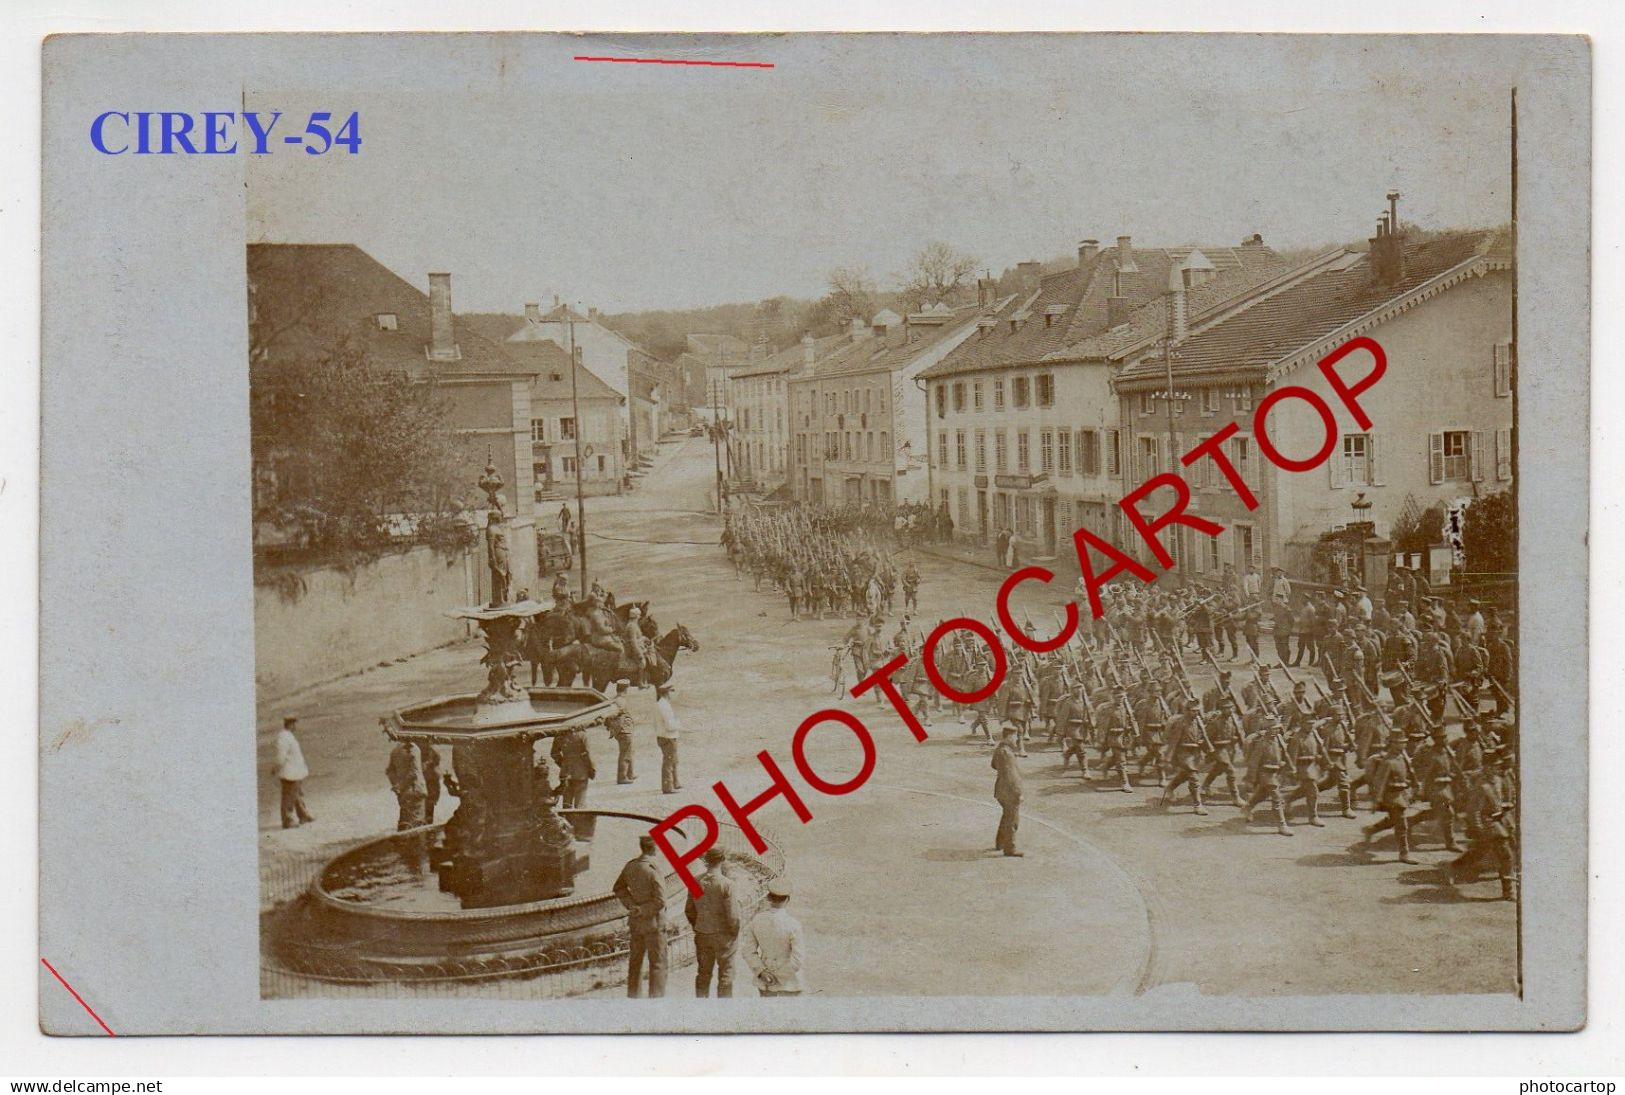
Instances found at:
x=1435 y=458
x=1503 y=368
x=1375 y=458
x=1334 y=466
x=1503 y=454
x=1477 y=458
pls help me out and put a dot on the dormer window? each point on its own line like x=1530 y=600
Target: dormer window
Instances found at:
x=387 y=321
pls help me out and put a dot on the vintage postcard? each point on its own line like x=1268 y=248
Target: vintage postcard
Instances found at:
x=814 y=533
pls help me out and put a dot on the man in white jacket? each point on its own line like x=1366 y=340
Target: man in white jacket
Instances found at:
x=291 y=770
x=773 y=946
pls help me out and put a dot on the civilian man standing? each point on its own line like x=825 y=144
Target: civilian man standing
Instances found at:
x=714 y=916
x=667 y=726
x=291 y=771
x=639 y=889
x=773 y=946
x=1007 y=792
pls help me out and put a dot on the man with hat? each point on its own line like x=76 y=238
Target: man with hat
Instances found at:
x=1436 y=771
x=640 y=889
x=714 y=916
x=667 y=727
x=1188 y=744
x=619 y=725
x=1224 y=734
x=1007 y=790
x=1116 y=743
x=291 y=771
x=1492 y=830
x=1265 y=772
x=1391 y=791
x=773 y=947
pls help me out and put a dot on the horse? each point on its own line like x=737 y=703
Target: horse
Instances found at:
x=597 y=666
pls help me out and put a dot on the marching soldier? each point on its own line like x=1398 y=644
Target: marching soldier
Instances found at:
x=1340 y=754
x=1072 y=718
x=1224 y=735
x=1265 y=768
x=1114 y=720
x=1306 y=750
x=1435 y=769
x=911 y=588
x=1391 y=791
x=1492 y=840
x=1189 y=743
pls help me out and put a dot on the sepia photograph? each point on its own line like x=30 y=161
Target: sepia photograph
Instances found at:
x=731 y=390
x=814 y=534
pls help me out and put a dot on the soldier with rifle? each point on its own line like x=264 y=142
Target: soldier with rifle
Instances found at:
x=1224 y=734
x=1188 y=747
x=1266 y=766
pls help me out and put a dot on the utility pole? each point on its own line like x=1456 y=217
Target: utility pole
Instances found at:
x=581 y=470
x=716 y=428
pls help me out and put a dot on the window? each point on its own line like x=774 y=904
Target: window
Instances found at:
x=1352 y=467
x=869 y=446
x=1088 y=452
x=981 y=452
x=959 y=449
x=942 y=449
x=1018 y=392
x=600 y=465
x=1214 y=557
x=569 y=465
x=1023 y=451
x=1046 y=451
x=959 y=397
x=1001 y=461
x=1148 y=465
x=976 y=395
x=963 y=494
x=998 y=395
x=869 y=392
x=885 y=445
x=1210 y=402
x=1244 y=400
x=1455 y=454
x=1063 y=451
x=1241 y=457
x=1503 y=369
x=1148 y=404
x=538 y=429
x=387 y=321
x=567 y=429
x=1046 y=389
x=1503 y=454
x=1114 y=454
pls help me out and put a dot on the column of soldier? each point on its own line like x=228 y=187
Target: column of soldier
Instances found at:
x=1397 y=714
x=824 y=562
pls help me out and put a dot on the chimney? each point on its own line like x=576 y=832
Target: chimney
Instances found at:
x=981 y=293
x=1388 y=246
x=592 y=313
x=1087 y=250
x=442 y=343
x=1030 y=272
x=807 y=351
x=533 y=313
x=1178 y=305
x=1125 y=255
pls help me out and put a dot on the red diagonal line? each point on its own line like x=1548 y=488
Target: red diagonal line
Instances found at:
x=665 y=61
x=79 y=998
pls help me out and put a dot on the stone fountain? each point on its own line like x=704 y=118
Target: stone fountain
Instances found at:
x=494 y=891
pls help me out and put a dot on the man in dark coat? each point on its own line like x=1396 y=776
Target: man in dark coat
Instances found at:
x=1007 y=792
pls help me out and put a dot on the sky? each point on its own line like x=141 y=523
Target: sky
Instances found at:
x=526 y=174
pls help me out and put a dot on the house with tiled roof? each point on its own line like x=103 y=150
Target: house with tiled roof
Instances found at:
x=755 y=401
x=612 y=358
x=1441 y=432
x=564 y=410
x=1022 y=415
x=306 y=299
x=858 y=430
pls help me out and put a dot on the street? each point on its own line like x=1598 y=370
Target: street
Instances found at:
x=897 y=884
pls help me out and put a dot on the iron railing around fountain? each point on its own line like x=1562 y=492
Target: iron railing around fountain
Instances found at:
x=594 y=967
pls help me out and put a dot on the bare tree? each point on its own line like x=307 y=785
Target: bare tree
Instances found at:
x=851 y=295
x=937 y=273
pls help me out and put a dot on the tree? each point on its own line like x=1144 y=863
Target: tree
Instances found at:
x=851 y=296
x=347 y=452
x=1489 y=535
x=937 y=273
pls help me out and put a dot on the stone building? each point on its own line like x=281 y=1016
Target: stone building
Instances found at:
x=1024 y=421
x=1441 y=430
